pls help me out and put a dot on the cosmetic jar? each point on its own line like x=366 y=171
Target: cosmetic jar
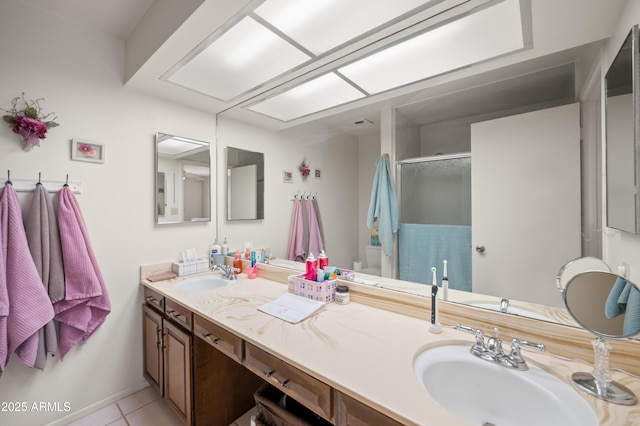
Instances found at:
x=342 y=294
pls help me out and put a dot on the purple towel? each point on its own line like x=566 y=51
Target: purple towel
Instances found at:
x=29 y=307
x=86 y=303
x=316 y=245
x=296 y=249
x=44 y=244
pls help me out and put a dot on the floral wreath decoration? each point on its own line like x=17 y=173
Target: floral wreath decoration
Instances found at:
x=304 y=169
x=29 y=121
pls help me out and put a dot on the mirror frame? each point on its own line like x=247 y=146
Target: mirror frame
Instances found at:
x=157 y=140
x=631 y=43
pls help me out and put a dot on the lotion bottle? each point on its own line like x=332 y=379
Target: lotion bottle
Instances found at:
x=237 y=263
x=311 y=268
x=225 y=247
x=323 y=260
x=215 y=249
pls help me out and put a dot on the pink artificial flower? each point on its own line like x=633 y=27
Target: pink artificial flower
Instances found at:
x=29 y=127
x=86 y=149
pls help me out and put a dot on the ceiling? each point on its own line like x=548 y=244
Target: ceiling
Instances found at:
x=563 y=34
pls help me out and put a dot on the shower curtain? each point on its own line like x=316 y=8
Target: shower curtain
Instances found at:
x=435 y=219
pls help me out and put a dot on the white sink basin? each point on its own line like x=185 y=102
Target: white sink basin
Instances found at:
x=484 y=393
x=203 y=282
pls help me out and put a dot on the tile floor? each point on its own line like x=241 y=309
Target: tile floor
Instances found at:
x=142 y=408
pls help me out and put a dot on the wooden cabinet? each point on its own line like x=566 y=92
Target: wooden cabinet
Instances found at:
x=350 y=412
x=152 y=347
x=177 y=371
x=307 y=390
x=223 y=387
x=167 y=351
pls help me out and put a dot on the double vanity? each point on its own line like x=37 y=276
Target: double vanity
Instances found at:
x=368 y=362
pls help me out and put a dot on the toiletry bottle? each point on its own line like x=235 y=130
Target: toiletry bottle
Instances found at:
x=445 y=283
x=215 y=249
x=253 y=268
x=225 y=247
x=323 y=260
x=311 y=267
x=237 y=263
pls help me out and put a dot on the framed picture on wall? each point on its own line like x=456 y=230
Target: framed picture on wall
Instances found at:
x=317 y=173
x=92 y=152
x=287 y=176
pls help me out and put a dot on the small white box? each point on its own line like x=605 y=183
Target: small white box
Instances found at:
x=190 y=267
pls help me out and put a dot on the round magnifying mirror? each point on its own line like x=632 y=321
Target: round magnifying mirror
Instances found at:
x=608 y=306
x=578 y=266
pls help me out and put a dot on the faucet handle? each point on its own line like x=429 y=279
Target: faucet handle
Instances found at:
x=479 y=347
x=494 y=344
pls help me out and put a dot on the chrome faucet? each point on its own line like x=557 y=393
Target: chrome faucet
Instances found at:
x=492 y=349
x=227 y=271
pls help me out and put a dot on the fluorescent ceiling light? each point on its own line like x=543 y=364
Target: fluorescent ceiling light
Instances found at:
x=319 y=25
x=488 y=33
x=315 y=95
x=241 y=59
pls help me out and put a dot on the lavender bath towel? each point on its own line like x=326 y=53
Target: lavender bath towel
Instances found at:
x=29 y=307
x=44 y=244
x=86 y=302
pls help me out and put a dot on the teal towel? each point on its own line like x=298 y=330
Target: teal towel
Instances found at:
x=421 y=246
x=383 y=205
x=624 y=298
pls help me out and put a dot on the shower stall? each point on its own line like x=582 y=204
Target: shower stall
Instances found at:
x=435 y=219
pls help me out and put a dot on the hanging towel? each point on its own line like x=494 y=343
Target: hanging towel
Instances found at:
x=624 y=298
x=305 y=229
x=44 y=244
x=29 y=307
x=383 y=205
x=316 y=209
x=316 y=244
x=296 y=251
x=86 y=302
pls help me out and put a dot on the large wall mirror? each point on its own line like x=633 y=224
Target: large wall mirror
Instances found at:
x=623 y=146
x=183 y=180
x=245 y=184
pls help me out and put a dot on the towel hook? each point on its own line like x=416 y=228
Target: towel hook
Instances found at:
x=66 y=183
x=39 y=178
x=9 y=177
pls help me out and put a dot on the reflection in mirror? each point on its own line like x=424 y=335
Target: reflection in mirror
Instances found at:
x=245 y=184
x=183 y=180
x=623 y=169
x=608 y=306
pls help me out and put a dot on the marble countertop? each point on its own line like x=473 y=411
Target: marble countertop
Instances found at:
x=359 y=350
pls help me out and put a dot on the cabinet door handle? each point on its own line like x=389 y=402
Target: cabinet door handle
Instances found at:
x=207 y=336
x=281 y=380
x=268 y=373
x=174 y=314
x=158 y=337
x=150 y=299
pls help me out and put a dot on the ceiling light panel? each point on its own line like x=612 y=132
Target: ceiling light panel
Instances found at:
x=485 y=34
x=320 y=26
x=315 y=95
x=244 y=57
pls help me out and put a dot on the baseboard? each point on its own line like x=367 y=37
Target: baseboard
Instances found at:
x=78 y=414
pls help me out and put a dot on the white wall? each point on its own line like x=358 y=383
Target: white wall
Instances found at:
x=620 y=247
x=337 y=191
x=79 y=72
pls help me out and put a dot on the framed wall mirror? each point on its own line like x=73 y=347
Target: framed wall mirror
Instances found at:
x=623 y=141
x=245 y=184
x=183 y=180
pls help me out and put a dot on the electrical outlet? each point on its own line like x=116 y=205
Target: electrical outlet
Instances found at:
x=623 y=270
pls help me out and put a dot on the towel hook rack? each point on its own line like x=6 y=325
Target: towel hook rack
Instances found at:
x=39 y=178
x=8 y=176
x=66 y=182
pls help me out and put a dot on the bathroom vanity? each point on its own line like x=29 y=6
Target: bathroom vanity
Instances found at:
x=351 y=364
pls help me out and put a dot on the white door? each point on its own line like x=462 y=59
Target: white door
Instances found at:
x=526 y=216
x=242 y=192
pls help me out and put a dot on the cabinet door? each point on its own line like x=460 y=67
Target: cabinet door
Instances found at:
x=177 y=371
x=152 y=347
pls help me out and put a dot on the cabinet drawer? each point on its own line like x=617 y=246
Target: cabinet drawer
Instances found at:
x=305 y=389
x=178 y=314
x=226 y=342
x=154 y=299
x=351 y=412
